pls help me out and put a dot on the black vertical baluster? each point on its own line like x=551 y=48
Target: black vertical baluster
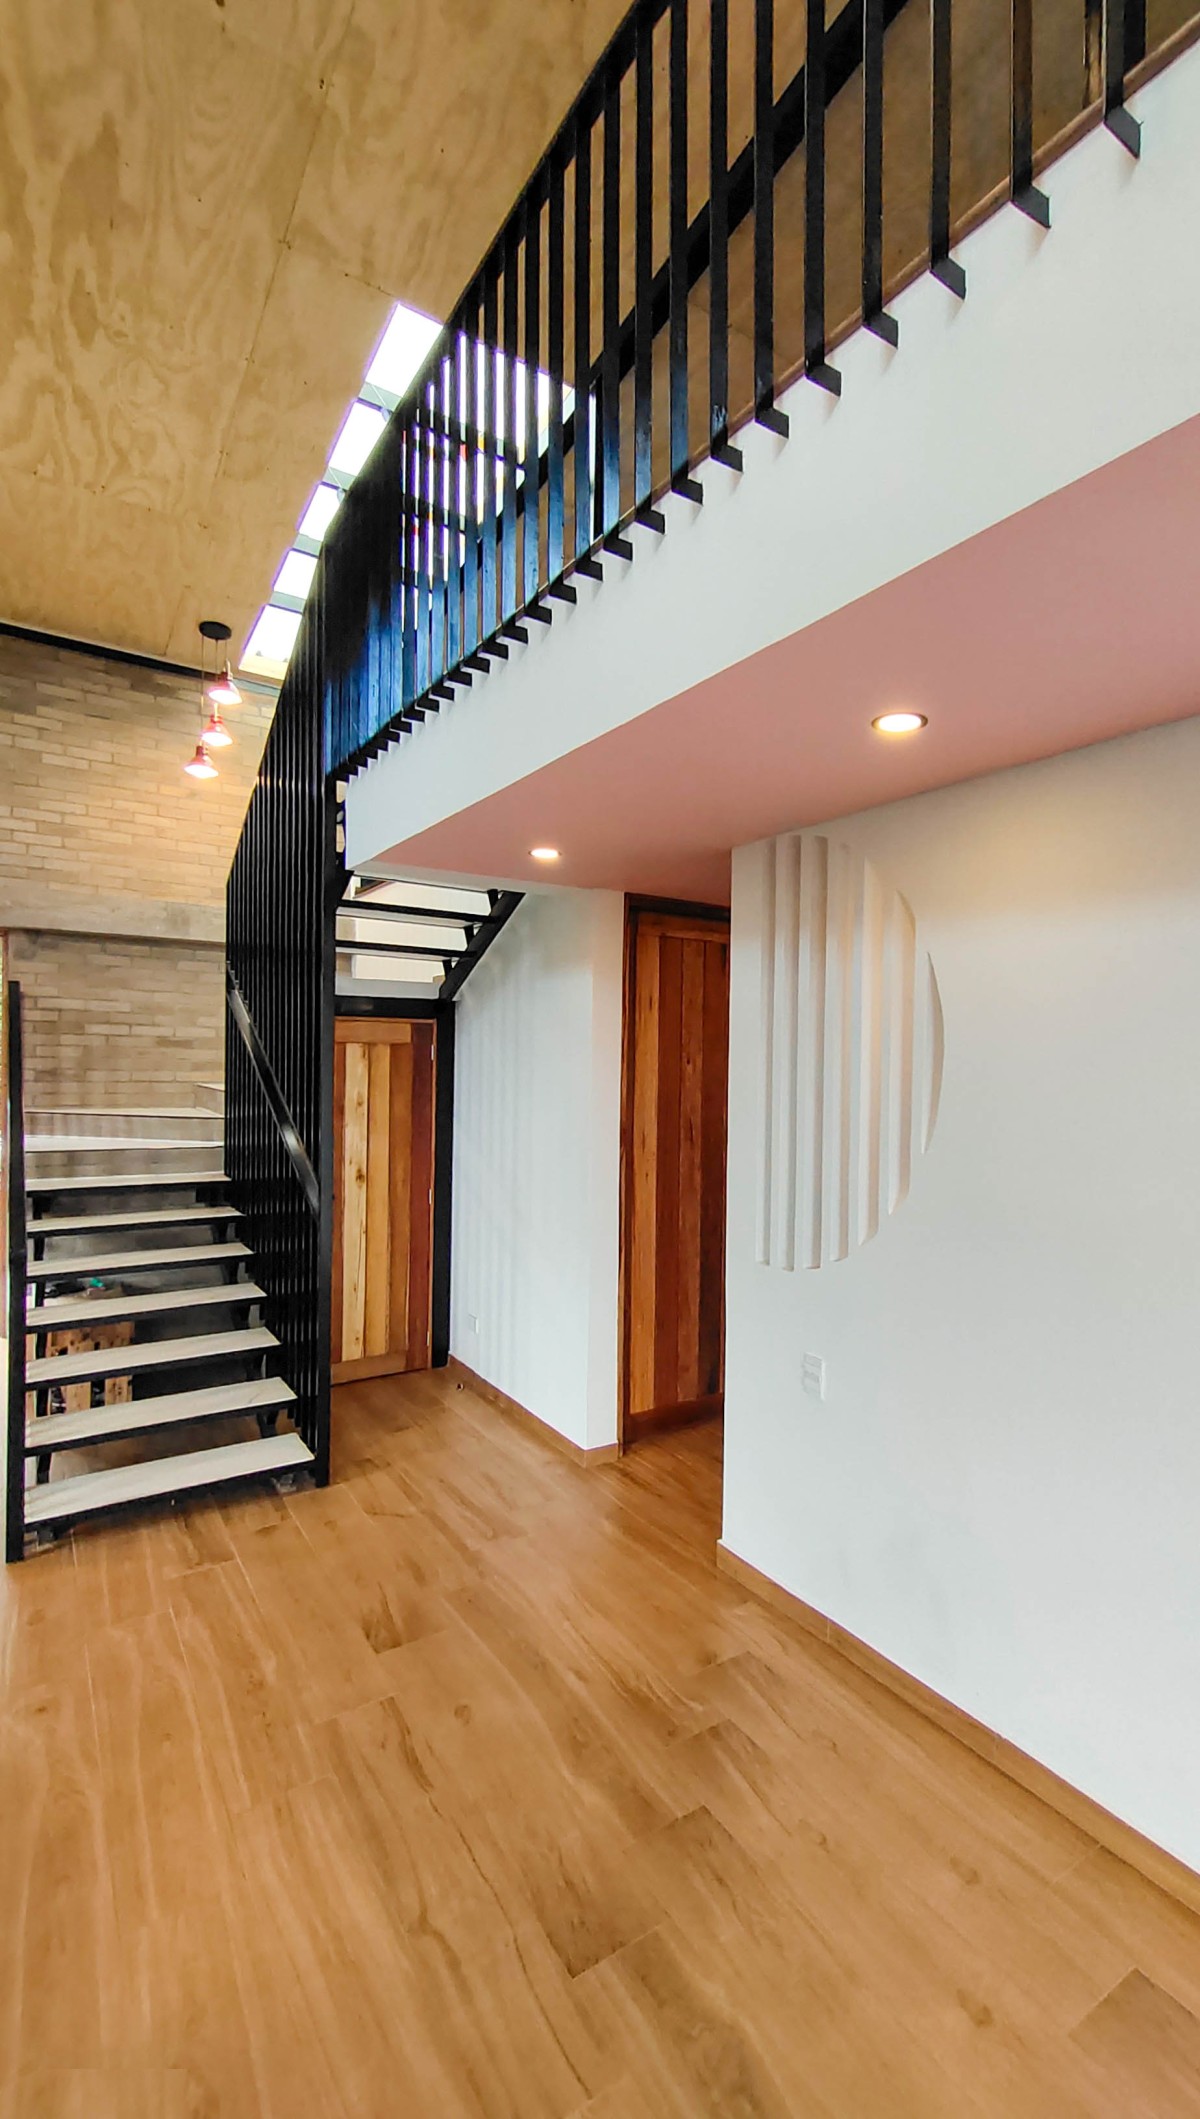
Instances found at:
x=875 y=316
x=454 y=550
x=489 y=531
x=766 y=411
x=426 y=509
x=941 y=264
x=508 y=550
x=816 y=367
x=583 y=318
x=408 y=518
x=718 y=237
x=472 y=416
x=441 y=400
x=555 y=235
x=608 y=493
x=1117 y=58
x=643 y=260
x=1023 y=191
x=531 y=552
x=677 y=271
x=434 y=450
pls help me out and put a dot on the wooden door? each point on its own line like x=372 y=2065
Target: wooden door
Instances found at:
x=383 y=1196
x=673 y=1168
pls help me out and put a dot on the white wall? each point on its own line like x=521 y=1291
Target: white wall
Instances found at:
x=1001 y=1491
x=536 y=1162
x=1071 y=348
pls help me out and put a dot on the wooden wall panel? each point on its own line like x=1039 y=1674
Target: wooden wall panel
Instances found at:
x=383 y=1219
x=673 y=1247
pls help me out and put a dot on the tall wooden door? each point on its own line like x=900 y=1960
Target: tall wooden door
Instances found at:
x=674 y=1134
x=383 y=1196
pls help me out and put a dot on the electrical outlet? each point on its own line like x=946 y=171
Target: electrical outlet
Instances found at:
x=812 y=1376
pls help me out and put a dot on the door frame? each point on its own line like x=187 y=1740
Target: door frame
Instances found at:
x=441 y=1015
x=636 y=906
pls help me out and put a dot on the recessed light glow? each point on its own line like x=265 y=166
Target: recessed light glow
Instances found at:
x=544 y=853
x=902 y=724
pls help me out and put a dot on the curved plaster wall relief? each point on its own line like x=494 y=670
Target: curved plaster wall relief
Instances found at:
x=851 y=1049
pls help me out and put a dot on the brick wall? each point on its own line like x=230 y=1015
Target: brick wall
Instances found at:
x=112 y=873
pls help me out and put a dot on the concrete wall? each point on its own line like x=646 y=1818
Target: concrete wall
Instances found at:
x=112 y=873
x=998 y=1489
x=536 y=1162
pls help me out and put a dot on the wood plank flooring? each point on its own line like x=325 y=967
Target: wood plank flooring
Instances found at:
x=469 y=1787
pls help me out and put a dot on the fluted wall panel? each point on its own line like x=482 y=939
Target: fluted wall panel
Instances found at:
x=851 y=1050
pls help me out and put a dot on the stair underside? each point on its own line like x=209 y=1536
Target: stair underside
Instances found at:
x=116 y=1423
x=143 y=1218
x=128 y=1181
x=67 y=1311
x=66 y=1500
x=156 y=1353
x=97 y=1265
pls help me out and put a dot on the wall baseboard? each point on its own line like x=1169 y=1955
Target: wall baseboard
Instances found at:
x=1151 y=1861
x=604 y=1453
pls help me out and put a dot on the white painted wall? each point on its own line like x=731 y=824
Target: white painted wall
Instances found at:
x=1001 y=1491
x=1071 y=348
x=536 y=1162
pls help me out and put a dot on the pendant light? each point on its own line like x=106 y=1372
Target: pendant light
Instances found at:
x=214 y=735
x=221 y=691
x=200 y=765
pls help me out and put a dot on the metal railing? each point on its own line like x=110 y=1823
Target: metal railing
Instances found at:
x=673 y=261
x=281 y=900
x=16 y=1255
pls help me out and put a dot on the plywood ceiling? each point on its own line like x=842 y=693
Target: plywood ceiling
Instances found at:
x=207 y=208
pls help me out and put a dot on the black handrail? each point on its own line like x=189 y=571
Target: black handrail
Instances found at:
x=17 y=1269
x=288 y=1130
x=536 y=431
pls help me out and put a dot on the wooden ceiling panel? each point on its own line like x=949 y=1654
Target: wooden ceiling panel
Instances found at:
x=151 y=166
x=443 y=112
x=87 y=566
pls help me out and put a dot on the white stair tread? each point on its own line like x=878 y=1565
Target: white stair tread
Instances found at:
x=97 y=1265
x=126 y=1181
x=89 y=1491
x=154 y=1354
x=67 y=1310
x=106 y=1143
x=114 y=1422
x=147 y=1218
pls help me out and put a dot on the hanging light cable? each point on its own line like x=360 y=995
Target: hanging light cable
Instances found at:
x=222 y=691
x=213 y=733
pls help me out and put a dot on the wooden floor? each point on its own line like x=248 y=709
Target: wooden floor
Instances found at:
x=469 y=1787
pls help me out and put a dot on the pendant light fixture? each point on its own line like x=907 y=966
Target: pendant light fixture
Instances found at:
x=222 y=691
x=216 y=691
x=200 y=765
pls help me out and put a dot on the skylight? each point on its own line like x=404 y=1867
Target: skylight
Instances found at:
x=401 y=353
x=406 y=341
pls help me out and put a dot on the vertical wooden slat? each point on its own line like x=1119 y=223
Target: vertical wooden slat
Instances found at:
x=714 y=1127
x=354 y=1204
x=609 y=495
x=692 y=1063
x=642 y=1176
x=677 y=228
x=666 y=1208
x=421 y=1198
x=556 y=244
x=583 y=319
x=816 y=365
x=339 y=1191
x=643 y=243
x=401 y=1181
x=377 y=1295
x=941 y=264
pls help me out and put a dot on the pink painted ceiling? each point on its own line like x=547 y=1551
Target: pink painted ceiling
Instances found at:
x=1076 y=620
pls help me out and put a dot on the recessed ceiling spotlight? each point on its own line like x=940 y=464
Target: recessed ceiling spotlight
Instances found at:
x=544 y=853
x=900 y=724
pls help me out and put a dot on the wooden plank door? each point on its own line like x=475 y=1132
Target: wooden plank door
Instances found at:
x=383 y=1196
x=674 y=1139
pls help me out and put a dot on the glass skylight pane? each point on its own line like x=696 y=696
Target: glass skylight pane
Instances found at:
x=361 y=429
x=403 y=347
x=295 y=575
x=319 y=513
x=271 y=642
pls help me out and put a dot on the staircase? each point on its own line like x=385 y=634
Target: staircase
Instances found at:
x=149 y=1371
